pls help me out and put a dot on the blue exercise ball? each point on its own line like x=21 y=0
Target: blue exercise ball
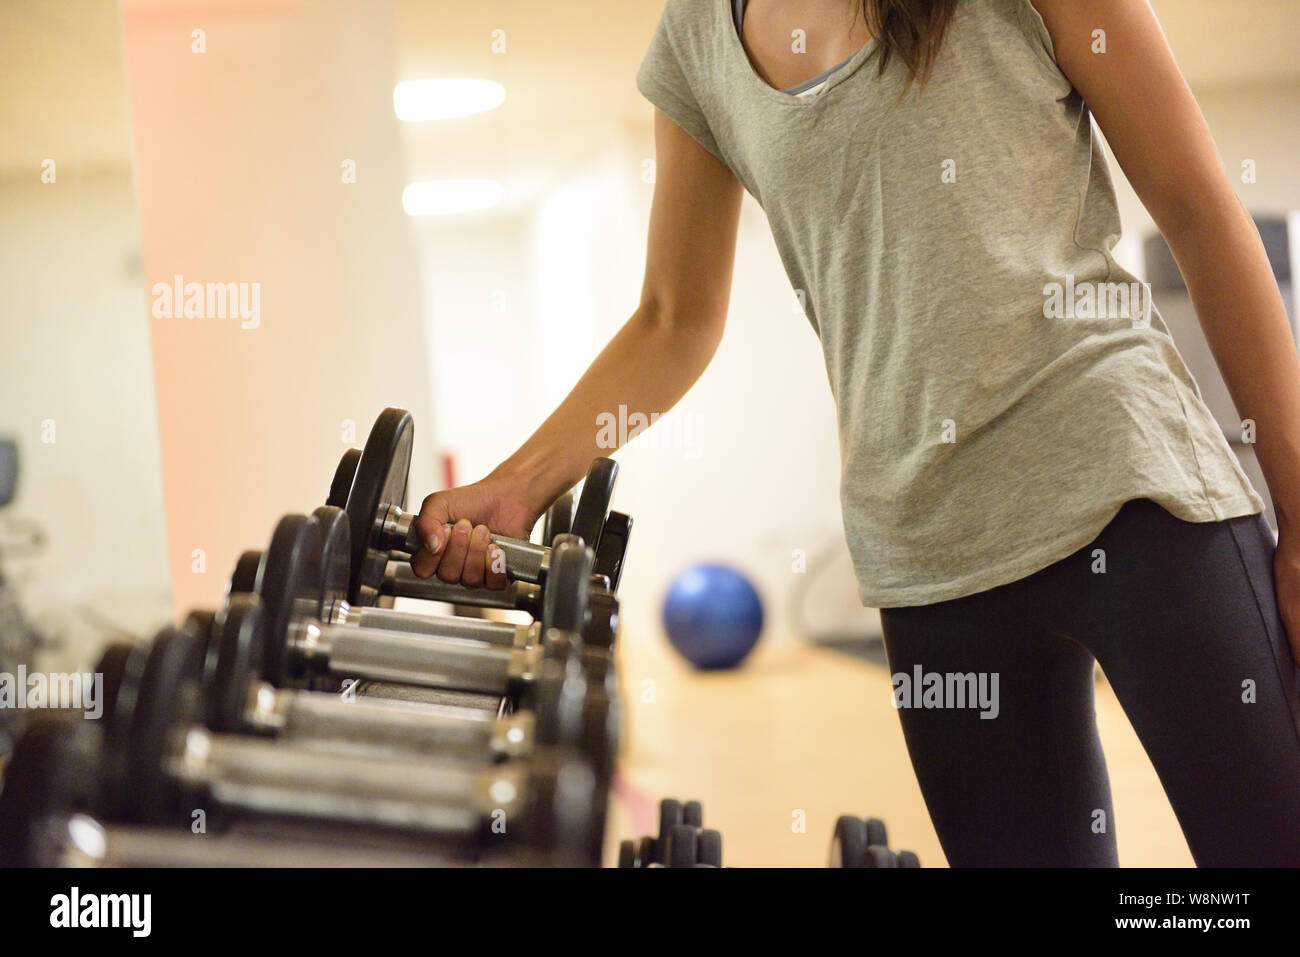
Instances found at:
x=713 y=616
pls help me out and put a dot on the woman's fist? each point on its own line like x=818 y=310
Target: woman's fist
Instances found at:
x=454 y=525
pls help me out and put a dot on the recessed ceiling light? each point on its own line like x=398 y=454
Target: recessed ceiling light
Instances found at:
x=439 y=197
x=444 y=99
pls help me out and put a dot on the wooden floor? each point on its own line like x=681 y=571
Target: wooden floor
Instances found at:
x=802 y=733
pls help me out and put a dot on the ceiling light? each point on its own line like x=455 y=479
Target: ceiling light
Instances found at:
x=440 y=197
x=444 y=99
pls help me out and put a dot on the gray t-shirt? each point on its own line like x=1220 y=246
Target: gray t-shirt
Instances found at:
x=997 y=402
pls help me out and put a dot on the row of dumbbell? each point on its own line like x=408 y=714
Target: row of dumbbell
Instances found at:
x=682 y=841
x=864 y=842
x=292 y=704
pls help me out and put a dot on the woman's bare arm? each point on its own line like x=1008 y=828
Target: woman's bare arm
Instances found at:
x=648 y=366
x=1162 y=142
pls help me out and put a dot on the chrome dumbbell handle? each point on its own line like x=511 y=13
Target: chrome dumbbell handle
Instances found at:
x=453 y=663
x=403 y=583
x=474 y=629
x=278 y=779
x=370 y=725
x=88 y=843
x=525 y=560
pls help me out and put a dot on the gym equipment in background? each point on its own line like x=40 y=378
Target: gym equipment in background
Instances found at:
x=20 y=639
x=8 y=470
x=864 y=842
x=682 y=841
x=713 y=616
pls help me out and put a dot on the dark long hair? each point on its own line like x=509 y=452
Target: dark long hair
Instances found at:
x=912 y=30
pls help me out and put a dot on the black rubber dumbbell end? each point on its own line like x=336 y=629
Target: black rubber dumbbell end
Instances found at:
x=878 y=856
x=683 y=846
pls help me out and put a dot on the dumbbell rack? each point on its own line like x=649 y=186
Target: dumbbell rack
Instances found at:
x=302 y=721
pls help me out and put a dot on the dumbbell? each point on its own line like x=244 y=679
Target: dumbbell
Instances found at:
x=386 y=465
x=399 y=581
x=50 y=817
x=81 y=841
x=569 y=711
x=271 y=576
x=284 y=574
x=558 y=519
x=380 y=526
x=859 y=842
x=683 y=841
x=295 y=579
x=168 y=763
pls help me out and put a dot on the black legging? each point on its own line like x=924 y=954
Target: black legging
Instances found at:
x=1184 y=623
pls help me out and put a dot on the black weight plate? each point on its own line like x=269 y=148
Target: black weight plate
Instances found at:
x=908 y=859
x=546 y=695
x=593 y=502
x=613 y=547
x=52 y=771
x=380 y=482
x=240 y=645
x=341 y=484
x=289 y=586
x=683 y=846
x=201 y=624
x=336 y=555
x=849 y=843
x=878 y=856
x=244 y=578
x=709 y=848
x=559 y=518
x=693 y=813
x=164 y=701
x=876 y=833
x=111 y=668
x=600 y=730
x=599 y=665
x=117 y=723
x=566 y=597
x=602 y=618
x=627 y=854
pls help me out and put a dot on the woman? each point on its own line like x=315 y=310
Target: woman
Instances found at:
x=1031 y=480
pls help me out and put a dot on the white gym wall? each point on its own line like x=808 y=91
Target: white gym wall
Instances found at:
x=76 y=380
x=267 y=152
